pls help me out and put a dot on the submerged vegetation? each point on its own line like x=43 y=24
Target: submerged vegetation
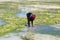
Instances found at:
x=14 y=23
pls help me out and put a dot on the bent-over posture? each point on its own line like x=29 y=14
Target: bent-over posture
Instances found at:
x=30 y=18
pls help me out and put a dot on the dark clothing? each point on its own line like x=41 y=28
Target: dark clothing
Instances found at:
x=29 y=14
x=29 y=19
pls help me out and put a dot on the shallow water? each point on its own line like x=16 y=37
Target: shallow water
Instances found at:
x=25 y=9
x=40 y=29
x=23 y=15
x=1 y=22
x=48 y=29
x=43 y=29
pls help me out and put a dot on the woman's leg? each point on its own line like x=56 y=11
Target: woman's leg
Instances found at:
x=28 y=23
x=32 y=23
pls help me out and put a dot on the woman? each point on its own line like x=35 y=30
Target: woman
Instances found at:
x=30 y=18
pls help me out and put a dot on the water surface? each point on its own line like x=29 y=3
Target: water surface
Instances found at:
x=48 y=29
x=2 y=22
x=22 y=15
